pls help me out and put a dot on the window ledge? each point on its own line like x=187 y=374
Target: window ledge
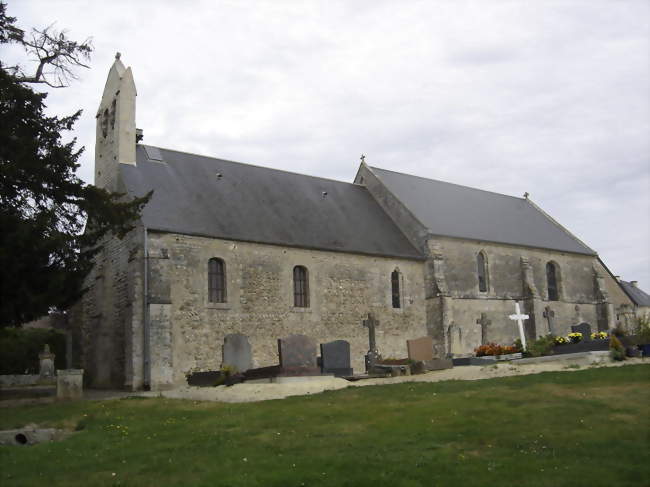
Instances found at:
x=218 y=305
x=300 y=310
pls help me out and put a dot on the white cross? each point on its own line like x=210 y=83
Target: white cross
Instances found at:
x=520 y=321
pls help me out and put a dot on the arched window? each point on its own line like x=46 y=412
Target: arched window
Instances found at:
x=481 y=263
x=394 y=285
x=300 y=287
x=551 y=281
x=216 y=281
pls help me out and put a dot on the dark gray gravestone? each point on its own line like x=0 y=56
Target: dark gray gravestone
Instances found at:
x=237 y=352
x=297 y=355
x=335 y=358
x=583 y=328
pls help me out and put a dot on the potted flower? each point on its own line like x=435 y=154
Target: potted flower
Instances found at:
x=561 y=340
x=600 y=335
x=574 y=337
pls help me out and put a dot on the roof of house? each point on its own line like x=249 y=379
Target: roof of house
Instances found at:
x=452 y=210
x=638 y=296
x=199 y=195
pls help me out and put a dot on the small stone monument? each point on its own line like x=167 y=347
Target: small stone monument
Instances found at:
x=46 y=363
x=69 y=384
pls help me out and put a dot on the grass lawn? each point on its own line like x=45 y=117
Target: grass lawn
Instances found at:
x=584 y=428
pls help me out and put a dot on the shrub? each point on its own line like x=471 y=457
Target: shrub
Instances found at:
x=541 y=346
x=616 y=349
x=19 y=349
x=643 y=329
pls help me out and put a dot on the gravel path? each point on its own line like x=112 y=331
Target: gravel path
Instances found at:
x=265 y=392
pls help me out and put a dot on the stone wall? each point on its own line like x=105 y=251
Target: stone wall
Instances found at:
x=110 y=314
x=188 y=331
x=508 y=283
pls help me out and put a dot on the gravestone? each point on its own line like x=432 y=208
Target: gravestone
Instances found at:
x=335 y=358
x=297 y=355
x=46 y=363
x=584 y=328
x=420 y=349
x=237 y=352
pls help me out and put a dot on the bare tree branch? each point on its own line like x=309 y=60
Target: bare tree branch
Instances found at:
x=57 y=56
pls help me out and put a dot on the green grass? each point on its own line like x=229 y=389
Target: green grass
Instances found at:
x=588 y=427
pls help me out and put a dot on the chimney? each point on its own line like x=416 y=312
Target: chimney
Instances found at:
x=634 y=283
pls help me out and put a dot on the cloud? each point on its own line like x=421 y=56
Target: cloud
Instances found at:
x=546 y=97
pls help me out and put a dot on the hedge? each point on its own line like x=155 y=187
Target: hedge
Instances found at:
x=19 y=349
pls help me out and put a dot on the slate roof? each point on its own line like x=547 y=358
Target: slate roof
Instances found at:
x=452 y=210
x=638 y=296
x=259 y=204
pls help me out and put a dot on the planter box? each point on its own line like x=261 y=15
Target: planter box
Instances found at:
x=509 y=356
x=584 y=346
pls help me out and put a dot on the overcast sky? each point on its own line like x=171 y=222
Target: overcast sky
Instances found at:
x=548 y=97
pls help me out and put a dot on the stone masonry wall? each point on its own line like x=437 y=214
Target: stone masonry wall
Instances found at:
x=109 y=313
x=343 y=288
x=576 y=279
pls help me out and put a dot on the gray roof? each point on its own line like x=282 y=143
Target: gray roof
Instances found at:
x=259 y=204
x=452 y=210
x=638 y=296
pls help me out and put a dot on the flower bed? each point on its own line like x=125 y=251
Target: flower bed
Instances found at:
x=492 y=349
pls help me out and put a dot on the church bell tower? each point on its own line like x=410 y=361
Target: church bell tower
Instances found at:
x=115 y=133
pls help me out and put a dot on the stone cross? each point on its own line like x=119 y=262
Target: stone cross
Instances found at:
x=519 y=318
x=371 y=323
x=549 y=314
x=363 y=158
x=484 y=322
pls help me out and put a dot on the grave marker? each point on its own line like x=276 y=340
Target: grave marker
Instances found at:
x=335 y=357
x=237 y=352
x=420 y=349
x=519 y=318
x=297 y=355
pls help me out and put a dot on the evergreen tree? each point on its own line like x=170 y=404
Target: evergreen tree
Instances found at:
x=52 y=224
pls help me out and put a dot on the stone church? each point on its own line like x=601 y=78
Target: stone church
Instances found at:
x=225 y=247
